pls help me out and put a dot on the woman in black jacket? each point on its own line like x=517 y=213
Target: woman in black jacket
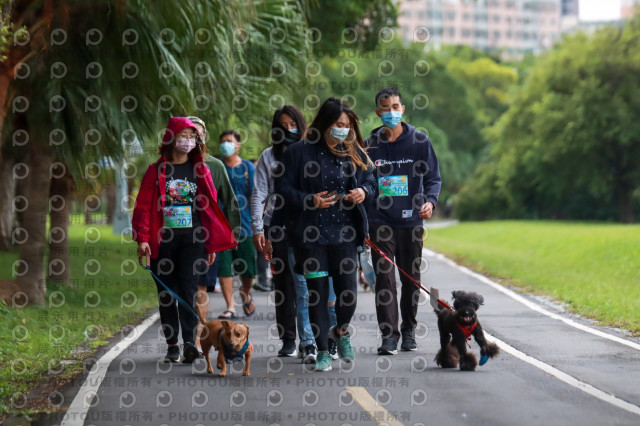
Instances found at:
x=327 y=176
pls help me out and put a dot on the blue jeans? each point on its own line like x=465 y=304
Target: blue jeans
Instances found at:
x=302 y=305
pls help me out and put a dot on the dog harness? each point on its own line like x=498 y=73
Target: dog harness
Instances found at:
x=231 y=356
x=467 y=329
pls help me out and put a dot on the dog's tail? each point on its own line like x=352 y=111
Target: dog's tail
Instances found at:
x=203 y=319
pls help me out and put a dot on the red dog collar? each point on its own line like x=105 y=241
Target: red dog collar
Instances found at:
x=467 y=329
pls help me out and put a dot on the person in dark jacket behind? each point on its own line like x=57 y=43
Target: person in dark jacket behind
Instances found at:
x=327 y=177
x=408 y=179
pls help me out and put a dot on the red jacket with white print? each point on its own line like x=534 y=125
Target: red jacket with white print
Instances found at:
x=148 y=219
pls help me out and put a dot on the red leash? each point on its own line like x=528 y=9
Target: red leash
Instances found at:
x=381 y=253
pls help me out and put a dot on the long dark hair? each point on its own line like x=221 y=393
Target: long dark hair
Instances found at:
x=328 y=114
x=281 y=137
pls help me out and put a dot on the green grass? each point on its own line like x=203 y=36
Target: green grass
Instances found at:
x=35 y=339
x=594 y=268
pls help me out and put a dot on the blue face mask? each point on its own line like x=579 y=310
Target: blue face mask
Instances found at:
x=294 y=131
x=391 y=118
x=340 y=133
x=227 y=148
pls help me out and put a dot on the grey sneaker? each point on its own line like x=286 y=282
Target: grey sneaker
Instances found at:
x=288 y=348
x=310 y=354
x=173 y=354
x=323 y=362
x=409 y=340
x=345 y=350
x=389 y=346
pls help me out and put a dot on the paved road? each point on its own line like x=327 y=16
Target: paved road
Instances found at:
x=523 y=386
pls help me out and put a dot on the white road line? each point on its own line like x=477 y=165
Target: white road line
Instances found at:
x=564 y=377
x=530 y=304
x=572 y=381
x=370 y=405
x=81 y=404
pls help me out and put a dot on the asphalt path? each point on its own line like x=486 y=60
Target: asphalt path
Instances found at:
x=553 y=370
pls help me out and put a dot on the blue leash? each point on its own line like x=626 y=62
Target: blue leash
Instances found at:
x=175 y=296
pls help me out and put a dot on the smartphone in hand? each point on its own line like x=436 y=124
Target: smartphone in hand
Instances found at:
x=331 y=194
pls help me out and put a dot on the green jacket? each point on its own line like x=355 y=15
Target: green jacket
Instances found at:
x=226 y=196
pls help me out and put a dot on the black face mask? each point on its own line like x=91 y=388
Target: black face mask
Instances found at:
x=283 y=136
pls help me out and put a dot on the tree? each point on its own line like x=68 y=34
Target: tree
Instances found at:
x=488 y=84
x=111 y=69
x=569 y=143
x=10 y=34
x=357 y=24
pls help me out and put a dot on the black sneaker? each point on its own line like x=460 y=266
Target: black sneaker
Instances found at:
x=333 y=349
x=389 y=346
x=408 y=341
x=190 y=353
x=261 y=287
x=309 y=354
x=173 y=354
x=288 y=348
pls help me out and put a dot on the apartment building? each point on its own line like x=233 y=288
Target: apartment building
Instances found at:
x=514 y=26
x=627 y=8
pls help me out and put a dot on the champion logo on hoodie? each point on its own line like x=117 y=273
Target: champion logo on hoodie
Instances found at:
x=382 y=162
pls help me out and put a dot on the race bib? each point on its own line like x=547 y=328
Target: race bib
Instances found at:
x=393 y=186
x=177 y=217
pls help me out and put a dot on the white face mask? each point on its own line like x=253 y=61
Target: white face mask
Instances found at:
x=185 y=145
x=340 y=133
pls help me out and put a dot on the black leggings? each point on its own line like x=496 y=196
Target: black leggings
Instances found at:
x=317 y=263
x=180 y=263
x=285 y=291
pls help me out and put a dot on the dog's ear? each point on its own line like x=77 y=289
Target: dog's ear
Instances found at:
x=455 y=295
x=476 y=299
x=226 y=325
x=479 y=301
x=244 y=327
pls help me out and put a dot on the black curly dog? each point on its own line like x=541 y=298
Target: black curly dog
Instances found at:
x=456 y=326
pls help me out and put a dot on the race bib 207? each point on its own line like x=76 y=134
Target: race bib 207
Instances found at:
x=177 y=217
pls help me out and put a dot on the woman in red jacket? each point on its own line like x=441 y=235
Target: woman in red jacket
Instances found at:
x=179 y=227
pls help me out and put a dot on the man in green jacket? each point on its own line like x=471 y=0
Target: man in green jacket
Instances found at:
x=229 y=204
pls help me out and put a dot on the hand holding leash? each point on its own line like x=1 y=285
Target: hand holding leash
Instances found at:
x=426 y=210
x=144 y=251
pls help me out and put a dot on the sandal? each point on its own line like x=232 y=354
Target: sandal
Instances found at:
x=228 y=315
x=245 y=307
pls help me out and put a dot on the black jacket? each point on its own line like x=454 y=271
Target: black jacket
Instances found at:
x=301 y=180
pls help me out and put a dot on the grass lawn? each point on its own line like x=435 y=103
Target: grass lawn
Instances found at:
x=36 y=339
x=594 y=268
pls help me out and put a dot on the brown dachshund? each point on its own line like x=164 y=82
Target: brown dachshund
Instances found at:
x=230 y=339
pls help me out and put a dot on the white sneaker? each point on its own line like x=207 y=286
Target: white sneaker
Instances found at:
x=310 y=354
